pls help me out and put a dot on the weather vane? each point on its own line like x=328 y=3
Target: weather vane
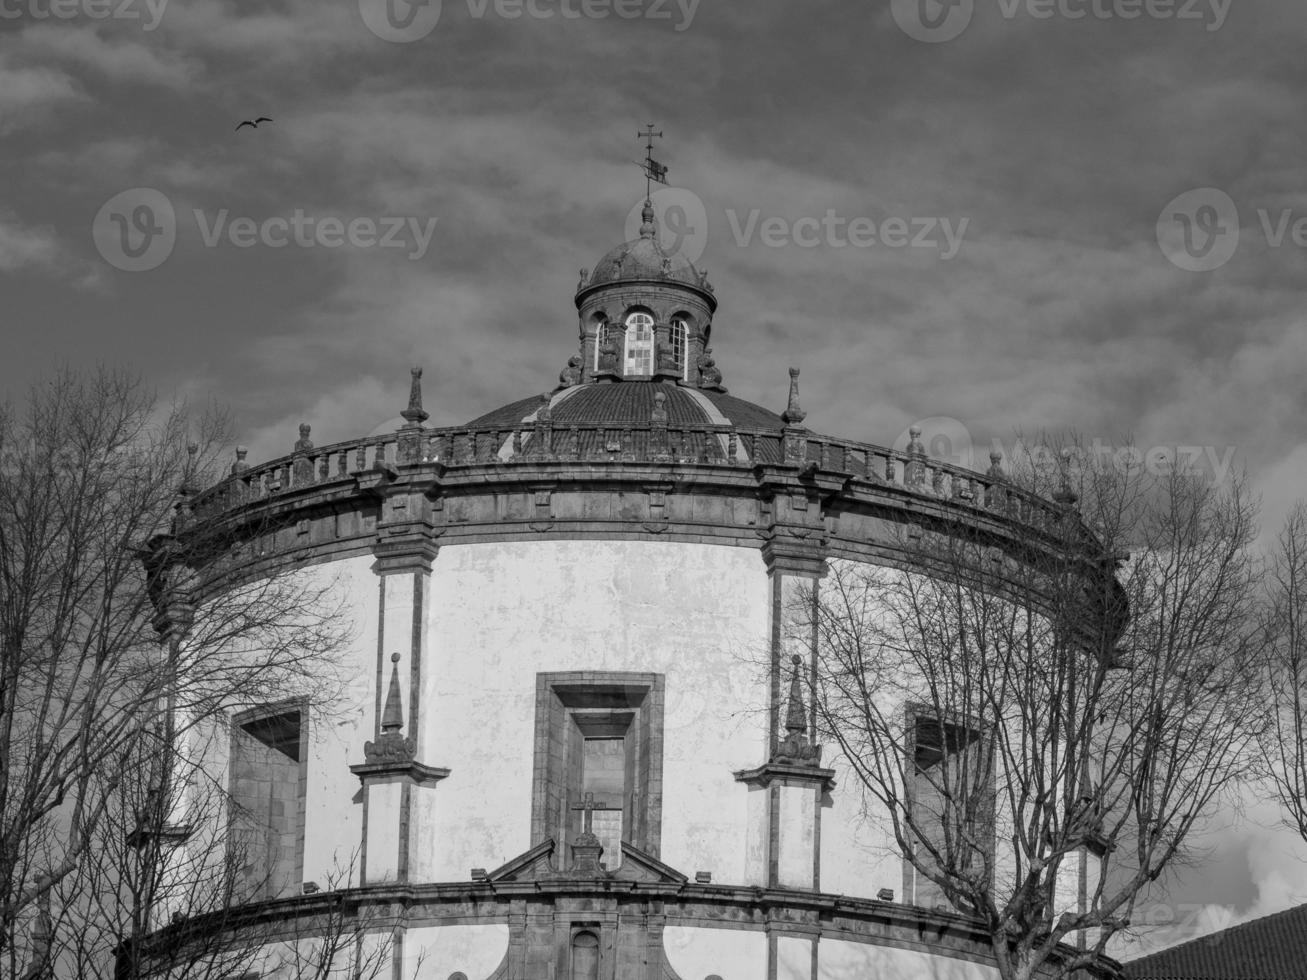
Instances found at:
x=653 y=170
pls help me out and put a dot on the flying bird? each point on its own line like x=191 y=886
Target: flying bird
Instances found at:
x=253 y=123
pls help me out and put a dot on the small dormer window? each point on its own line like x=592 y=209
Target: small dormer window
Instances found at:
x=639 y=345
x=680 y=347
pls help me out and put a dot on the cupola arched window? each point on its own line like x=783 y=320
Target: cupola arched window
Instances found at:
x=681 y=347
x=601 y=338
x=639 y=345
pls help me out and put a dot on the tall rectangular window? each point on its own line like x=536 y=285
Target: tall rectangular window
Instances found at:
x=598 y=762
x=950 y=797
x=268 y=789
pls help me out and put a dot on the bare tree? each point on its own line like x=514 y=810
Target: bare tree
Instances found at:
x=124 y=630
x=1038 y=713
x=1284 y=625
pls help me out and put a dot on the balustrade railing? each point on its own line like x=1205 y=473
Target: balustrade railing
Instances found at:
x=647 y=442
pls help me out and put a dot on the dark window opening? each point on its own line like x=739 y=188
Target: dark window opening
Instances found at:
x=950 y=795
x=268 y=788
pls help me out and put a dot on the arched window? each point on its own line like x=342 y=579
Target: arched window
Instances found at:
x=601 y=338
x=681 y=347
x=585 y=956
x=639 y=345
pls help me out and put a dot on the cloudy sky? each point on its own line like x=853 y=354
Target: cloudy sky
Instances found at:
x=1024 y=215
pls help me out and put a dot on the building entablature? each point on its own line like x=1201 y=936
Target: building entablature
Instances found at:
x=469 y=484
x=664 y=904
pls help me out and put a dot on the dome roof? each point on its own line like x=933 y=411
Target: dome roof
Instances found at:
x=591 y=407
x=644 y=259
x=633 y=403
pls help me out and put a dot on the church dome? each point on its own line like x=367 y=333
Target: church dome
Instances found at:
x=632 y=404
x=644 y=259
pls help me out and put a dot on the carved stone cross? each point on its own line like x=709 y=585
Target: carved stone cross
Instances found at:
x=589 y=805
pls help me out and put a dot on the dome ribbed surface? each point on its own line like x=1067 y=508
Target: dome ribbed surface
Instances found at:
x=632 y=402
x=643 y=259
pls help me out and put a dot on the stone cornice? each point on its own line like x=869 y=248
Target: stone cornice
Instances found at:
x=837 y=917
x=785 y=772
x=416 y=772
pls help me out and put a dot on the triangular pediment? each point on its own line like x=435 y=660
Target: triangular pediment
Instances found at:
x=538 y=864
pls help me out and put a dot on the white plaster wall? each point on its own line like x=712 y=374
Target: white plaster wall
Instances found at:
x=841 y=960
x=501 y=613
x=732 y=954
x=793 y=958
x=437 y=952
x=756 y=838
x=333 y=820
x=794 y=864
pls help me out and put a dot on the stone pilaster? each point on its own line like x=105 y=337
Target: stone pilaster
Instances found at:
x=399 y=782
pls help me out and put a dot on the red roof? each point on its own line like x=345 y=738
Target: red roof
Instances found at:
x=1270 y=948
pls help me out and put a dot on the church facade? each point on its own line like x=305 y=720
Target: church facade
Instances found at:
x=577 y=743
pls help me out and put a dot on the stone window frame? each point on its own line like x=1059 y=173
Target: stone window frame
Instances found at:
x=913 y=713
x=598 y=703
x=239 y=721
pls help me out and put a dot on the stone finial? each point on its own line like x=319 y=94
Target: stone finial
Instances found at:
x=659 y=413
x=915 y=446
x=648 y=225
x=544 y=413
x=392 y=716
x=415 y=414
x=303 y=444
x=391 y=747
x=240 y=466
x=1064 y=494
x=796 y=748
x=795 y=715
x=793 y=414
x=585 y=274
x=996 y=465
